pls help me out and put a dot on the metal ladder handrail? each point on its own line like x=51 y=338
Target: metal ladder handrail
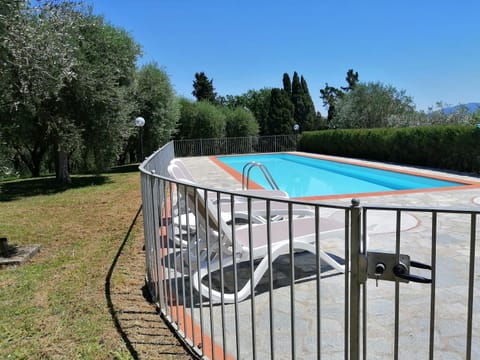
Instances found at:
x=268 y=176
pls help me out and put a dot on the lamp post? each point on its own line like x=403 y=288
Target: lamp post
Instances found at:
x=140 y=122
x=296 y=130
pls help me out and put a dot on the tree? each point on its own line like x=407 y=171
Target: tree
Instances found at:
x=156 y=102
x=310 y=122
x=210 y=121
x=351 y=79
x=69 y=75
x=186 y=122
x=331 y=95
x=257 y=101
x=100 y=100
x=280 y=119
x=372 y=105
x=240 y=122
x=287 y=84
x=38 y=45
x=200 y=120
x=203 y=88
x=304 y=110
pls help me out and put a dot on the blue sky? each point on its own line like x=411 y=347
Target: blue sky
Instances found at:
x=428 y=48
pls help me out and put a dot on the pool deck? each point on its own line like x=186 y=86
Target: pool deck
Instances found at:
x=451 y=288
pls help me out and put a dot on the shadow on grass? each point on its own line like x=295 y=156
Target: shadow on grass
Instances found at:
x=136 y=316
x=108 y=291
x=124 y=169
x=13 y=190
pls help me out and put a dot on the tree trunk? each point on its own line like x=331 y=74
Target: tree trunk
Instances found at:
x=63 y=175
x=31 y=158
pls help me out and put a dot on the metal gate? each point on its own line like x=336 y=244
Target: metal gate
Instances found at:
x=412 y=294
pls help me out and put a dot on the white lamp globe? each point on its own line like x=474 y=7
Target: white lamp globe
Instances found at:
x=139 y=121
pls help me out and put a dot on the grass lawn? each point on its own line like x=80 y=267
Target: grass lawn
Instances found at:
x=72 y=300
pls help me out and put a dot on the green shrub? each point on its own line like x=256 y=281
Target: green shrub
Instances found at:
x=453 y=147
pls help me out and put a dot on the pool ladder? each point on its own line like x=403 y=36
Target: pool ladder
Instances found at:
x=246 y=179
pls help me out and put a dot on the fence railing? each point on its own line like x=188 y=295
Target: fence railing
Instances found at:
x=236 y=145
x=246 y=276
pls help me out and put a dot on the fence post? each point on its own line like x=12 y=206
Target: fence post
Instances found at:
x=355 y=240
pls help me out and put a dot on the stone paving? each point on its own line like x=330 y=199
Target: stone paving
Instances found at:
x=451 y=291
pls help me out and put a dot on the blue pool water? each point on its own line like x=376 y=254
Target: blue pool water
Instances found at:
x=302 y=176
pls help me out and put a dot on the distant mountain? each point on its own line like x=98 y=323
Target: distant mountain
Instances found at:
x=471 y=108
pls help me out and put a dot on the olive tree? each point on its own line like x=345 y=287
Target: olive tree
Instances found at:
x=69 y=74
x=371 y=105
x=240 y=122
x=200 y=120
x=38 y=45
x=156 y=102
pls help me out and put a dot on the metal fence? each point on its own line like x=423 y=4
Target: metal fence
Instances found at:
x=247 y=276
x=237 y=145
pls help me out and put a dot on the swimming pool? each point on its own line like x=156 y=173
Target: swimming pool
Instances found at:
x=303 y=176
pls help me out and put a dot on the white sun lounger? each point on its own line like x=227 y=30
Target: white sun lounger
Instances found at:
x=234 y=242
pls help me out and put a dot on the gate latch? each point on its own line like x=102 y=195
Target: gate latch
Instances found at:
x=385 y=266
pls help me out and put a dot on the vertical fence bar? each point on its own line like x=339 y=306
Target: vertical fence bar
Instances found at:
x=180 y=209
x=292 y=281
x=318 y=265
x=270 y=280
x=471 y=283
x=347 y=284
x=189 y=248
x=154 y=243
x=355 y=289
x=222 y=280
x=156 y=246
x=166 y=255
x=174 y=251
x=160 y=209
x=198 y=266
x=432 y=293
x=252 y=278
x=397 y=287
x=235 y=278
x=147 y=197
x=160 y=212
x=209 y=271
x=364 y=250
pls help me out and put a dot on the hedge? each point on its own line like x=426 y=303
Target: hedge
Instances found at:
x=445 y=147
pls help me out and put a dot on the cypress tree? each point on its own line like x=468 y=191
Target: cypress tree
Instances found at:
x=280 y=115
x=304 y=109
x=298 y=100
x=309 y=121
x=203 y=88
x=287 y=85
